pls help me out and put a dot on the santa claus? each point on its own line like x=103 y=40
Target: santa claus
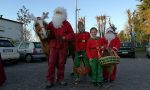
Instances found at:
x=61 y=33
x=111 y=41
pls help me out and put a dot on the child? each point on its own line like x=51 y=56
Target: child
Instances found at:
x=93 y=51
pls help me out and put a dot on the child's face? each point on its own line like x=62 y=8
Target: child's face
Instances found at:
x=93 y=33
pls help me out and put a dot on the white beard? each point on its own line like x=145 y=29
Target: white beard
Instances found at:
x=57 y=20
x=110 y=37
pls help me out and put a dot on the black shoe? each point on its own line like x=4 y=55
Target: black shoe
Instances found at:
x=95 y=83
x=77 y=80
x=105 y=80
x=111 y=81
x=49 y=85
x=72 y=74
x=62 y=83
x=100 y=83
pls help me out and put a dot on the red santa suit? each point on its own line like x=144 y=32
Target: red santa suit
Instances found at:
x=58 y=49
x=2 y=73
x=115 y=45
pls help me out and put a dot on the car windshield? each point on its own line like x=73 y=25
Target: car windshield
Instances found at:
x=5 y=43
x=37 y=44
x=125 y=44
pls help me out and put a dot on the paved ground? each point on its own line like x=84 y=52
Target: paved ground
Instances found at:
x=133 y=74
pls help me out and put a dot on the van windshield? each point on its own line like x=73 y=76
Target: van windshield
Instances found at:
x=37 y=44
x=5 y=43
x=126 y=44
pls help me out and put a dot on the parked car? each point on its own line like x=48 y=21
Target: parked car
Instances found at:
x=126 y=49
x=31 y=51
x=148 y=50
x=8 y=51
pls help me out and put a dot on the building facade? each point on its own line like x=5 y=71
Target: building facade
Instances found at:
x=10 y=29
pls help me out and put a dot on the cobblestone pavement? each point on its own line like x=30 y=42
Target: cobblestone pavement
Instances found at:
x=133 y=74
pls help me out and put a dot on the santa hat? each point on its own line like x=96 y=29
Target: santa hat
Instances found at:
x=61 y=9
x=109 y=30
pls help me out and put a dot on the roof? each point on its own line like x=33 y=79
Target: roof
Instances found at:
x=10 y=20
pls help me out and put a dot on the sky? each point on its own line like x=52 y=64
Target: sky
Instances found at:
x=115 y=9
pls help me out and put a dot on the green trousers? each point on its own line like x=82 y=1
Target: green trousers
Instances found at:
x=78 y=61
x=96 y=71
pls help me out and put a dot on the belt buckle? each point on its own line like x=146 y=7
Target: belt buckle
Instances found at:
x=97 y=48
x=83 y=40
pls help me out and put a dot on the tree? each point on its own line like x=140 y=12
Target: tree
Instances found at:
x=27 y=35
x=131 y=25
x=122 y=36
x=144 y=17
x=23 y=14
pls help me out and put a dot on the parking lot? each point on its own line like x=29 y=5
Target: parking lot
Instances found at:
x=133 y=74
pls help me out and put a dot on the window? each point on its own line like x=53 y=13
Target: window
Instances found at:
x=126 y=44
x=37 y=45
x=24 y=45
x=6 y=43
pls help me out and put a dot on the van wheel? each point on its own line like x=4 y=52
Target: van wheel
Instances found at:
x=148 y=55
x=133 y=55
x=28 y=58
x=15 y=62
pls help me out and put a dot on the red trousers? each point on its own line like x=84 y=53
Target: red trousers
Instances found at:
x=2 y=73
x=57 y=59
x=112 y=76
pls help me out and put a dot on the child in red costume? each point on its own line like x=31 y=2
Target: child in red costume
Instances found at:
x=93 y=50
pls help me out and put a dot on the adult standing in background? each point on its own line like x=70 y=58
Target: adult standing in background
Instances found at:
x=111 y=41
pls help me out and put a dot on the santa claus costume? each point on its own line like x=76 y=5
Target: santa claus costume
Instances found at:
x=81 y=39
x=93 y=51
x=111 y=41
x=2 y=73
x=60 y=33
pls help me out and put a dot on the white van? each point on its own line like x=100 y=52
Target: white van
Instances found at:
x=31 y=51
x=8 y=51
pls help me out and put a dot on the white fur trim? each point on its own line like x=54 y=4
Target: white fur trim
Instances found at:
x=62 y=10
x=109 y=29
x=102 y=47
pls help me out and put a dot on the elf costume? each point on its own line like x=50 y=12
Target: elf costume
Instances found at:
x=93 y=51
x=80 y=55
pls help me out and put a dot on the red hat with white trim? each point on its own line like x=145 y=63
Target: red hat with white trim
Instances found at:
x=109 y=30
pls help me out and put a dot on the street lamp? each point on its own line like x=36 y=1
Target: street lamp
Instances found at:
x=76 y=15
